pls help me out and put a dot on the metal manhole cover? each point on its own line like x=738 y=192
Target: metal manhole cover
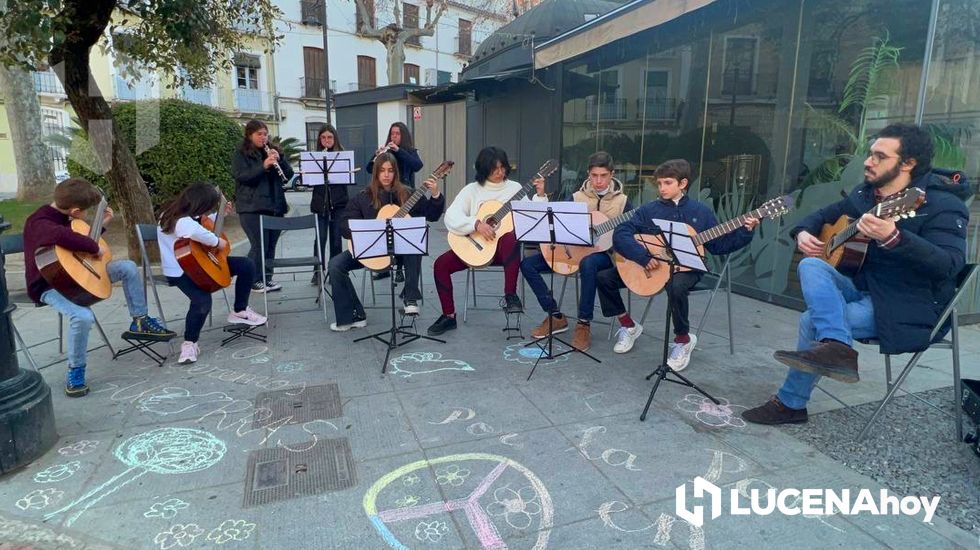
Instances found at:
x=272 y=475
x=295 y=405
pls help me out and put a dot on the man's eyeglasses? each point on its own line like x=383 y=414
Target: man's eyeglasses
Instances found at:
x=878 y=158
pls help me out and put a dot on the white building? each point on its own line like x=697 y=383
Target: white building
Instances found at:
x=358 y=62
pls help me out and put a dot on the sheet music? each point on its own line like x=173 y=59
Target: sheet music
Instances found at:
x=368 y=237
x=573 y=223
x=340 y=166
x=679 y=239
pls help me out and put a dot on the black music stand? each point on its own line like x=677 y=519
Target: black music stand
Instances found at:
x=680 y=251
x=321 y=165
x=552 y=223
x=376 y=238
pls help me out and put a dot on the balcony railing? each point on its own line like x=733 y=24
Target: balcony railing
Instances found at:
x=355 y=86
x=134 y=91
x=201 y=96
x=313 y=87
x=610 y=109
x=252 y=101
x=47 y=83
x=656 y=108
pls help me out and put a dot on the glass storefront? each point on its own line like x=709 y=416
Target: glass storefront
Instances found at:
x=774 y=98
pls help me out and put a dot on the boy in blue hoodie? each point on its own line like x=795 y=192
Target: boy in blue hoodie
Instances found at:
x=673 y=177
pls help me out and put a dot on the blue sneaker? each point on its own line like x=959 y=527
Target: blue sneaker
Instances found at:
x=75 y=382
x=148 y=328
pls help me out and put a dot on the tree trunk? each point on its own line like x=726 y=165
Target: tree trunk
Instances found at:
x=35 y=173
x=396 y=61
x=86 y=22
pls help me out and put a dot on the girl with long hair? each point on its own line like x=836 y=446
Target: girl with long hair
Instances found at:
x=328 y=201
x=181 y=218
x=401 y=145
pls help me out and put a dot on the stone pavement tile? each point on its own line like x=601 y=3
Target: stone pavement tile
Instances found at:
x=586 y=535
x=467 y=411
x=21 y=534
x=376 y=425
x=648 y=460
x=770 y=447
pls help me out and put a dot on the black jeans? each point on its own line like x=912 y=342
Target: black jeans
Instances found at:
x=680 y=285
x=250 y=225
x=329 y=228
x=200 y=307
x=346 y=305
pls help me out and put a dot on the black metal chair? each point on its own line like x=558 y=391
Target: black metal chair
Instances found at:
x=315 y=262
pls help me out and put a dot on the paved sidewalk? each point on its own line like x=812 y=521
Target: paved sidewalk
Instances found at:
x=452 y=448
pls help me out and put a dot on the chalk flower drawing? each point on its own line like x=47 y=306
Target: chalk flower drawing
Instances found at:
x=80 y=448
x=231 y=529
x=58 y=472
x=166 y=509
x=430 y=531
x=407 y=500
x=39 y=499
x=178 y=535
x=452 y=475
x=411 y=364
x=516 y=507
x=706 y=412
x=410 y=479
x=518 y=353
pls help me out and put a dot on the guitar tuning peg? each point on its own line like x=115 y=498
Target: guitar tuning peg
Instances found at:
x=912 y=214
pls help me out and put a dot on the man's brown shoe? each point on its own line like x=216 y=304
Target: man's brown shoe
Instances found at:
x=582 y=340
x=832 y=359
x=557 y=325
x=774 y=412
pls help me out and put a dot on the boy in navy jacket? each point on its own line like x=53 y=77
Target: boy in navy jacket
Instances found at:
x=673 y=177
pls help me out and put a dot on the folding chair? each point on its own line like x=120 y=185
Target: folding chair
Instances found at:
x=366 y=276
x=709 y=287
x=293 y=223
x=951 y=342
x=14 y=244
x=470 y=285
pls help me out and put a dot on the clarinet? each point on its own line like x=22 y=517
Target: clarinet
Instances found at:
x=278 y=168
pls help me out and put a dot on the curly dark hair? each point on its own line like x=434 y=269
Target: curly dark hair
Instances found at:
x=487 y=160
x=915 y=144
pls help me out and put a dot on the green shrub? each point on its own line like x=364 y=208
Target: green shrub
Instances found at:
x=195 y=143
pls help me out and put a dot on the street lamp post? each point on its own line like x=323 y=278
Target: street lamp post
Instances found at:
x=27 y=428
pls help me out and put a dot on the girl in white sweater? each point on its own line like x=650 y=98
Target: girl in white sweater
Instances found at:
x=492 y=169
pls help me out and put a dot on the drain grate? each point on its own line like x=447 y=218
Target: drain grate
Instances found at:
x=272 y=475
x=305 y=405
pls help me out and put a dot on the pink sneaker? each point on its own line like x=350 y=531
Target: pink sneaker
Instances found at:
x=188 y=353
x=246 y=317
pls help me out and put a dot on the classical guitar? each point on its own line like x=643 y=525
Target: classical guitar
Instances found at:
x=80 y=277
x=389 y=211
x=205 y=265
x=475 y=249
x=647 y=283
x=567 y=258
x=845 y=248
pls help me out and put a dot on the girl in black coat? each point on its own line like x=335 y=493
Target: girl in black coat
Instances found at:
x=258 y=192
x=402 y=146
x=328 y=201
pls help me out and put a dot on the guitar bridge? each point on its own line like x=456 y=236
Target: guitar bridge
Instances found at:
x=87 y=266
x=475 y=242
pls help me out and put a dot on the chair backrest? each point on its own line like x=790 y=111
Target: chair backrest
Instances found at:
x=291 y=223
x=12 y=244
x=147 y=232
x=963 y=280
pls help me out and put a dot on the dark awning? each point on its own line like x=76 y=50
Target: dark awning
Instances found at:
x=455 y=91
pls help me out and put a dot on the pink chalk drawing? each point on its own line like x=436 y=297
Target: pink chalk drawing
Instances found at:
x=527 y=508
x=710 y=414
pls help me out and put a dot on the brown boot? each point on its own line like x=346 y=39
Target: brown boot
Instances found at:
x=774 y=412
x=582 y=340
x=557 y=325
x=833 y=359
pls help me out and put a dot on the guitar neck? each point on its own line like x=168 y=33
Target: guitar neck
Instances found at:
x=410 y=203
x=505 y=209
x=609 y=225
x=219 y=220
x=844 y=235
x=95 y=230
x=726 y=227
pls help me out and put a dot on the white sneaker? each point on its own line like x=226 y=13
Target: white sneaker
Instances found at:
x=246 y=317
x=411 y=307
x=188 y=353
x=344 y=328
x=626 y=337
x=680 y=354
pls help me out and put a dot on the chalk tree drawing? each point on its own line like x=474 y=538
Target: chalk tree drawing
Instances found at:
x=710 y=414
x=178 y=535
x=39 y=499
x=80 y=448
x=166 y=509
x=230 y=530
x=518 y=353
x=411 y=364
x=165 y=451
x=502 y=472
x=57 y=472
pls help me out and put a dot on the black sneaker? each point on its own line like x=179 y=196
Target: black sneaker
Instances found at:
x=442 y=324
x=258 y=286
x=148 y=328
x=379 y=275
x=774 y=412
x=315 y=281
x=400 y=275
x=272 y=286
x=512 y=304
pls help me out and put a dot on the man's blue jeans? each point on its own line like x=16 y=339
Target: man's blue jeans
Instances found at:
x=81 y=318
x=533 y=266
x=835 y=310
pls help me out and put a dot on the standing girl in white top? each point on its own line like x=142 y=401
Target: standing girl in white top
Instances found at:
x=181 y=219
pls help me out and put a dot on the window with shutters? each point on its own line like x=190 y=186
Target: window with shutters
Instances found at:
x=314 y=83
x=410 y=20
x=366 y=73
x=365 y=21
x=465 y=37
x=412 y=74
